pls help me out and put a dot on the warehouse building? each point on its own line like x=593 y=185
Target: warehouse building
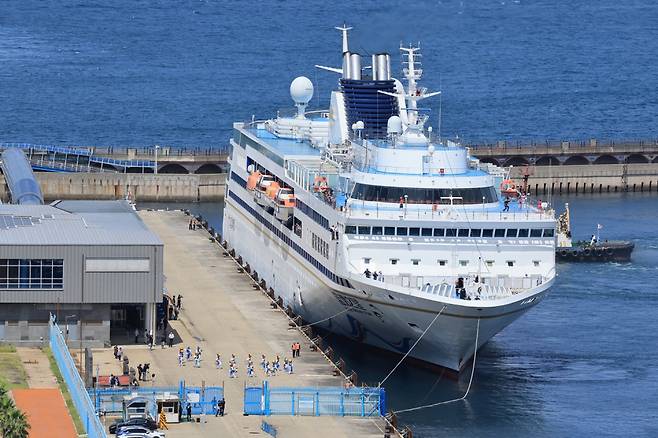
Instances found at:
x=93 y=264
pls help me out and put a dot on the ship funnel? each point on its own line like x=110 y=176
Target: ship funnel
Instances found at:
x=347 y=66
x=355 y=66
x=381 y=67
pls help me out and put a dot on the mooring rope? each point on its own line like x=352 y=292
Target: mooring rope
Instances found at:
x=468 y=389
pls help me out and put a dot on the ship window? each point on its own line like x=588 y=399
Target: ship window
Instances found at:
x=402 y=231
x=415 y=262
x=427 y=232
x=535 y=232
x=442 y=262
x=364 y=230
x=463 y=263
x=463 y=232
x=389 y=231
x=510 y=263
x=549 y=232
x=511 y=232
x=523 y=232
x=350 y=229
x=535 y=262
x=376 y=231
x=366 y=260
x=439 y=232
x=487 y=233
x=476 y=232
x=490 y=263
x=420 y=195
x=451 y=232
x=499 y=232
x=394 y=261
x=414 y=231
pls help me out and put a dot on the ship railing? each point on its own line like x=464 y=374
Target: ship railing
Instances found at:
x=486 y=288
x=443 y=212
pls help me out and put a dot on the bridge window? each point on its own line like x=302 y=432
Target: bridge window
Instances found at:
x=510 y=263
x=476 y=232
x=500 y=232
x=549 y=232
x=523 y=232
x=394 y=261
x=426 y=232
x=439 y=232
x=389 y=231
x=376 y=231
x=535 y=232
x=414 y=231
x=487 y=232
x=364 y=230
x=402 y=231
x=474 y=195
x=415 y=262
x=463 y=232
x=442 y=262
x=451 y=232
x=511 y=232
x=350 y=229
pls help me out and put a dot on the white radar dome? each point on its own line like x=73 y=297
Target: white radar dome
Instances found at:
x=394 y=125
x=301 y=90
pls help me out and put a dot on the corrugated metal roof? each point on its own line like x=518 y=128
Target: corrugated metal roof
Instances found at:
x=75 y=223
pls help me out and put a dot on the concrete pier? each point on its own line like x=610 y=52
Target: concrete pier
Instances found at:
x=223 y=313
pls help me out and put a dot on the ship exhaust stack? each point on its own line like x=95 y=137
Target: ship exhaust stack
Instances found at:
x=381 y=67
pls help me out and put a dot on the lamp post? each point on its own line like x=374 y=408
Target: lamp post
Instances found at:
x=156 y=158
x=66 y=323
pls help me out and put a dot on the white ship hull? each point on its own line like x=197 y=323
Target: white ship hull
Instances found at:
x=394 y=325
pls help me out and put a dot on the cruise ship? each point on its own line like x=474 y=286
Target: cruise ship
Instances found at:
x=365 y=222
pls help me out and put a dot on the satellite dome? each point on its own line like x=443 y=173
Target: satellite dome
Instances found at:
x=301 y=90
x=394 y=125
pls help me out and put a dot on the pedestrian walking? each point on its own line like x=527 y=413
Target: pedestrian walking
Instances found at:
x=263 y=362
x=218 y=362
x=197 y=361
x=139 y=371
x=116 y=352
x=290 y=366
x=181 y=362
x=222 y=406
x=188 y=353
x=188 y=411
x=189 y=226
x=250 y=370
x=171 y=339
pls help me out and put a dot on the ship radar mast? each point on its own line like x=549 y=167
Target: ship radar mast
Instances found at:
x=344 y=29
x=412 y=73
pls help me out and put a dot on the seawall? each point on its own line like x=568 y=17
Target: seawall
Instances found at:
x=142 y=187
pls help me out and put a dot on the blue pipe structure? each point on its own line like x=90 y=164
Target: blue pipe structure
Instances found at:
x=23 y=185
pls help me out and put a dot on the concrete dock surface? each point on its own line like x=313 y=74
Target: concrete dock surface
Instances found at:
x=223 y=313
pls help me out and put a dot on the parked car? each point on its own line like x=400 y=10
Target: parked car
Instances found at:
x=138 y=431
x=144 y=422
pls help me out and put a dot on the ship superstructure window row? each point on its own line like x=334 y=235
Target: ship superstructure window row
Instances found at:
x=244 y=141
x=288 y=241
x=413 y=195
x=448 y=232
x=317 y=217
x=235 y=177
x=320 y=245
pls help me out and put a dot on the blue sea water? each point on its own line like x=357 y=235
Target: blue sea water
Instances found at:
x=180 y=72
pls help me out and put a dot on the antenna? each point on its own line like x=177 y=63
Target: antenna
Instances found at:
x=440 y=103
x=344 y=30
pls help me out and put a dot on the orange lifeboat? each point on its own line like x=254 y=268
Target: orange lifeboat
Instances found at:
x=320 y=184
x=285 y=203
x=253 y=180
x=272 y=189
x=260 y=196
x=508 y=188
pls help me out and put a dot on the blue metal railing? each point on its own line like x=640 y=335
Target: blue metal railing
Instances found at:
x=110 y=400
x=76 y=387
x=328 y=401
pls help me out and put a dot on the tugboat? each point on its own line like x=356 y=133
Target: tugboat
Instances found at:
x=588 y=251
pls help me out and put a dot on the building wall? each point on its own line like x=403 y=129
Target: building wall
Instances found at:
x=91 y=287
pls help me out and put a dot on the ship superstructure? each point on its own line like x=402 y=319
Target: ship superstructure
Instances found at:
x=359 y=217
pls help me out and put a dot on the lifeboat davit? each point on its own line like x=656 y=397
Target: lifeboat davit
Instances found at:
x=508 y=188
